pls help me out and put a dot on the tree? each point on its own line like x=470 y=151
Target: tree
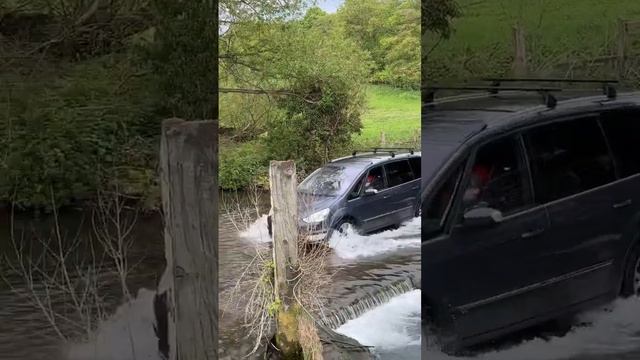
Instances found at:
x=183 y=57
x=437 y=16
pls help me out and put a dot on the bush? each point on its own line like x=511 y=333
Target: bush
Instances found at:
x=69 y=136
x=242 y=165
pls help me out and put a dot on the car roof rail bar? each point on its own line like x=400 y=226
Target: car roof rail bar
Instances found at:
x=377 y=150
x=549 y=100
x=408 y=149
x=369 y=152
x=607 y=88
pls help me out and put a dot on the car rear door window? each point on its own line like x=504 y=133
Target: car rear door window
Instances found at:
x=499 y=178
x=567 y=158
x=622 y=129
x=398 y=173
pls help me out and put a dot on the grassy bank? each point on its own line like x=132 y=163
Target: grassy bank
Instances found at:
x=396 y=112
x=557 y=32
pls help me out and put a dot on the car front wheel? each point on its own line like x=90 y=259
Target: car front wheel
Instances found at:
x=345 y=227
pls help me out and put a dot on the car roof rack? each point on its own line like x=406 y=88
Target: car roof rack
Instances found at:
x=549 y=100
x=608 y=87
x=392 y=151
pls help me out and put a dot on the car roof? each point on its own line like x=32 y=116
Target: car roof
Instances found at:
x=367 y=159
x=455 y=119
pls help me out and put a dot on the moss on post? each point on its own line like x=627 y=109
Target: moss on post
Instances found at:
x=287 y=335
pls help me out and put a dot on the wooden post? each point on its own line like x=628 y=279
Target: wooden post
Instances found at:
x=383 y=140
x=189 y=182
x=284 y=202
x=520 y=46
x=622 y=48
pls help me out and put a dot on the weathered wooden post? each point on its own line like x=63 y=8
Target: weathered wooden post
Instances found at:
x=383 y=140
x=520 y=46
x=622 y=48
x=189 y=165
x=284 y=202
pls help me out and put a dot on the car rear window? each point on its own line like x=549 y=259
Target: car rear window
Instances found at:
x=398 y=173
x=622 y=129
x=415 y=166
x=568 y=157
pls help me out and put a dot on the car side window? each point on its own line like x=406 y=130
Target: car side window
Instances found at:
x=499 y=178
x=375 y=179
x=567 y=158
x=622 y=129
x=355 y=192
x=434 y=212
x=398 y=173
x=415 y=166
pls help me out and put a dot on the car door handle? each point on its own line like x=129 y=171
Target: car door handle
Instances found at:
x=622 y=204
x=533 y=233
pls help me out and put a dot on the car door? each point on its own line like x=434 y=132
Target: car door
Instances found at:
x=622 y=130
x=485 y=272
x=370 y=209
x=574 y=175
x=402 y=191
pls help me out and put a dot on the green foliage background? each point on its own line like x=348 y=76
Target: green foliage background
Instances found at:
x=328 y=61
x=85 y=89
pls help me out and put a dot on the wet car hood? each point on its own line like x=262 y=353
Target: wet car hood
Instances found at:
x=309 y=204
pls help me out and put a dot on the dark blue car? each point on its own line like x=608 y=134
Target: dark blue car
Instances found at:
x=531 y=212
x=365 y=191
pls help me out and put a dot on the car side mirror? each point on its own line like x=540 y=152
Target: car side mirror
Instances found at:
x=370 y=192
x=482 y=216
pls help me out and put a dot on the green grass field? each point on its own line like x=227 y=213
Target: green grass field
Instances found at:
x=396 y=112
x=557 y=31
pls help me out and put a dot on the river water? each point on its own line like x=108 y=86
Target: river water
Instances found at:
x=362 y=265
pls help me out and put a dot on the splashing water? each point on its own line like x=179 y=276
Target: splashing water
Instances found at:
x=389 y=327
x=353 y=246
x=127 y=335
x=611 y=333
x=257 y=232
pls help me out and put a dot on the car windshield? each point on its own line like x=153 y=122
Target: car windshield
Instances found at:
x=332 y=180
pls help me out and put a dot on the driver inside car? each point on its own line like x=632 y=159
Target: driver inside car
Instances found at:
x=480 y=177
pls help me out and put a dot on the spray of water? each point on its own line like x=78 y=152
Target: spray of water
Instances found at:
x=257 y=232
x=127 y=335
x=610 y=333
x=353 y=246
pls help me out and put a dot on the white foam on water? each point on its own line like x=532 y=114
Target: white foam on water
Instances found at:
x=615 y=330
x=352 y=245
x=257 y=231
x=127 y=335
x=389 y=326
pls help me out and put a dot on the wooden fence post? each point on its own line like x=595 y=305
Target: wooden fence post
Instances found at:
x=189 y=182
x=383 y=140
x=622 y=48
x=282 y=178
x=520 y=46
